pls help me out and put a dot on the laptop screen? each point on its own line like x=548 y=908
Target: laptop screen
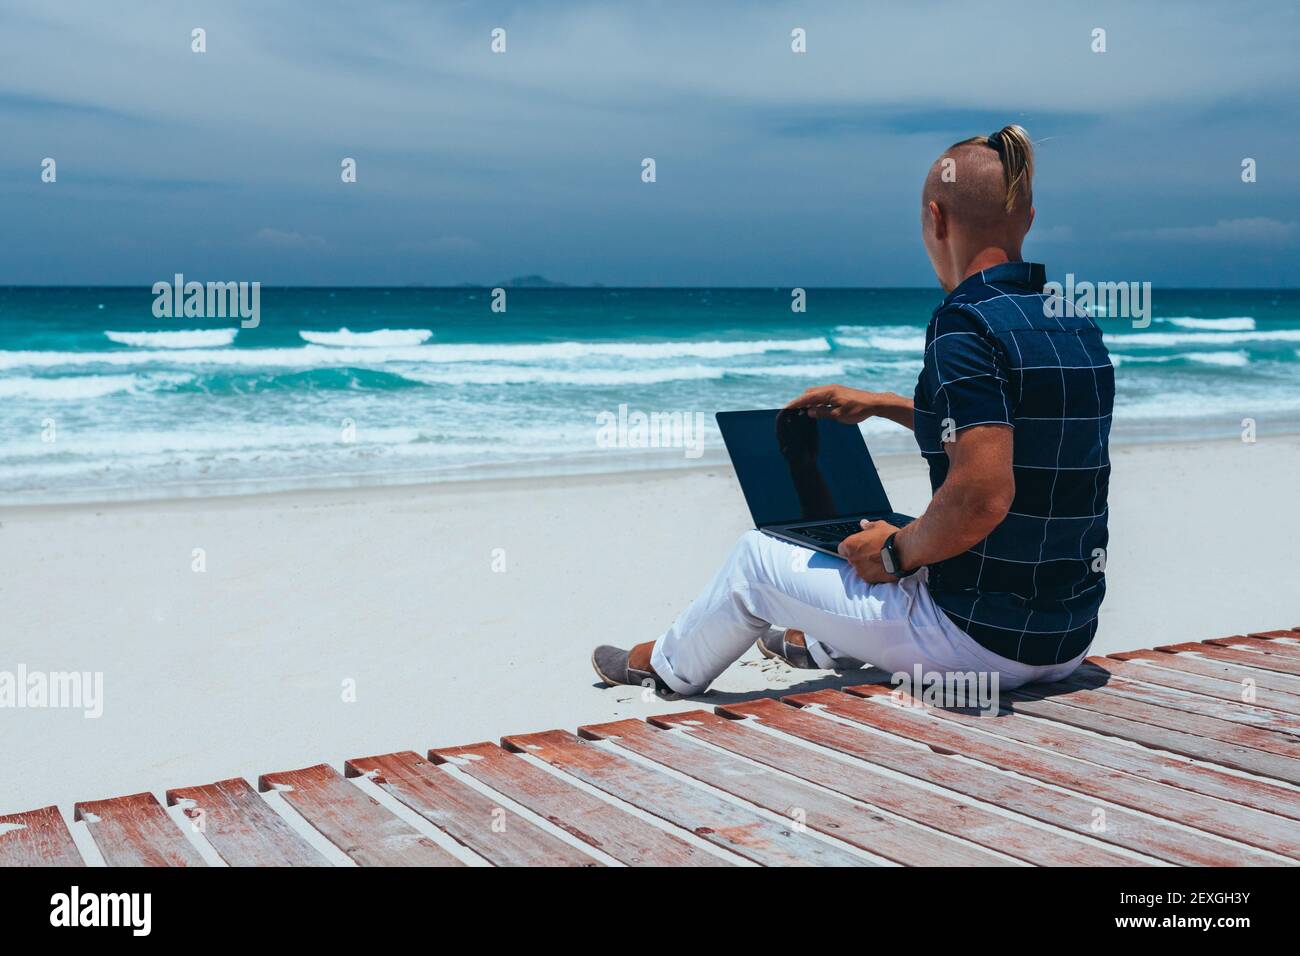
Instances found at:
x=795 y=468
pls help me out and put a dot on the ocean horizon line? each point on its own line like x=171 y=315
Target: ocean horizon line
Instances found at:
x=598 y=287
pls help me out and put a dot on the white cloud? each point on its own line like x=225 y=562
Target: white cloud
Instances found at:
x=377 y=78
x=1256 y=229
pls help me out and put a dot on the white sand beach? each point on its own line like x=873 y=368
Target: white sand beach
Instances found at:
x=244 y=668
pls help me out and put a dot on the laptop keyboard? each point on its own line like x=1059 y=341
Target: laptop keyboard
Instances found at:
x=838 y=531
x=829 y=532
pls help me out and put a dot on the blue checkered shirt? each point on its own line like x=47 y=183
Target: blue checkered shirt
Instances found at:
x=997 y=352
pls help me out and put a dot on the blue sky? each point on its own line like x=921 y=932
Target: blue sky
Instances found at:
x=773 y=168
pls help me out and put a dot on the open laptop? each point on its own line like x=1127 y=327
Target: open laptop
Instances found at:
x=806 y=480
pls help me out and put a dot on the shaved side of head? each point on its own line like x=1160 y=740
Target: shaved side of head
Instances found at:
x=984 y=185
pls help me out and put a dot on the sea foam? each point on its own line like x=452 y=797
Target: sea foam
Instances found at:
x=175 y=339
x=1223 y=359
x=83 y=387
x=611 y=377
x=377 y=339
x=1235 y=323
x=315 y=356
x=1202 y=338
x=1227 y=359
x=880 y=338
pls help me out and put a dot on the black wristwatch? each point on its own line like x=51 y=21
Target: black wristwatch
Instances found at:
x=891 y=559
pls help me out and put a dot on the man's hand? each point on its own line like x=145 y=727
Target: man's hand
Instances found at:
x=850 y=406
x=862 y=550
x=847 y=405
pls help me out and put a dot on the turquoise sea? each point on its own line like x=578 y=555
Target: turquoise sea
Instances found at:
x=370 y=385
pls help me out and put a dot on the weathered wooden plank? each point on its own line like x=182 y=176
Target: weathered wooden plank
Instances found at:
x=353 y=820
x=1191 y=664
x=1293 y=633
x=1215 y=687
x=1263 y=645
x=1121 y=755
x=1235 y=712
x=136 y=831
x=719 y=821
x=242 y=828
x=1268 y=662
x=597 y=822
x=37 y=838
x=499 y=835
x=919 y=722
x=854 y=823
x=1082 y=815
x=1155 y=715
x=948 y=814
x=1165 y=738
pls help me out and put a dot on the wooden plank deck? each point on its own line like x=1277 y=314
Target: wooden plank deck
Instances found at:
x=855 y=823
x=136 y=831
x=1084 y=816
x=953 y=815
x=1186 y=754
x=727 y=824
x=500 y=836
x=1244 y=677
x=1122 y=789
x=242 y=827
x=37 y=838
x=1213 y=687
x=596 y=822
x=1162 y=736
x=354 y=821
x=1233 y=655
x=1234 y=711
x=1263 y=644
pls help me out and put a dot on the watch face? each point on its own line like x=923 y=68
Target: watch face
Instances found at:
x=887 y=559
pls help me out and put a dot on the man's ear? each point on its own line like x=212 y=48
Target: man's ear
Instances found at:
x=1031 y=220
x=938 y=219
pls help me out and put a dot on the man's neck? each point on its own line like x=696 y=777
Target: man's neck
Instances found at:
x=987 y=258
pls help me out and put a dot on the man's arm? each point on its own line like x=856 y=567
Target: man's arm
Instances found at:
x=851 y=406
x=973 y=500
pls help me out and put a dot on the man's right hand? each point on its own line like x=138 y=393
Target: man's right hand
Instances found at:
x=851 y=406
x=847 y=405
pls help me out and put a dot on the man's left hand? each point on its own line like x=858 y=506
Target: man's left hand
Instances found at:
x=862 y=550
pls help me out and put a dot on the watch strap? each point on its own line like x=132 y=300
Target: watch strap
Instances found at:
x=894 y=557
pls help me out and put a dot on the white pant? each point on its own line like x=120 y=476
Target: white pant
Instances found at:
x=767 y=582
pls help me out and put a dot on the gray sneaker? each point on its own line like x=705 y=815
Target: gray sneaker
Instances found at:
x=774 y=645
x=613 y=667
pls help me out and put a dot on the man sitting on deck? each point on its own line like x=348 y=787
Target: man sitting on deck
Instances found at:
x=1003 y=573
